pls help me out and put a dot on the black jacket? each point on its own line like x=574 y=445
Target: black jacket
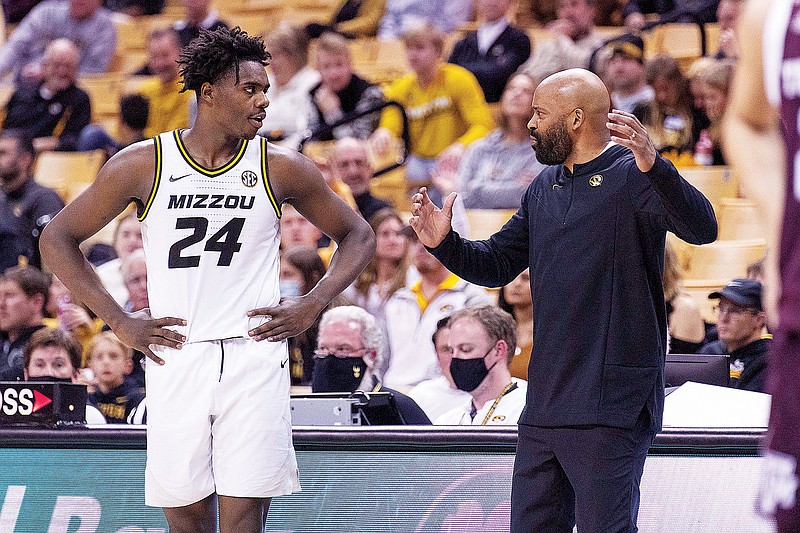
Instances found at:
x=753 y=357
x=511 y=49
x=594 y=241
x=117 y=404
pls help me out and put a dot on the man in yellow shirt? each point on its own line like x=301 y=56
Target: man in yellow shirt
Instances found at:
x=445 y=106
x=169 y=108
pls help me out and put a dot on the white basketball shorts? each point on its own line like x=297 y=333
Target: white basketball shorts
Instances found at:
x=218 y=420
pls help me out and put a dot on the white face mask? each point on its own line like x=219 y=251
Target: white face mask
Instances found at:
x=290 y=288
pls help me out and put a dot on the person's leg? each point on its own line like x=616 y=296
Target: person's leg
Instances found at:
x=605 y=467
x=542 y=500
x=242 y=515
x=199 y=517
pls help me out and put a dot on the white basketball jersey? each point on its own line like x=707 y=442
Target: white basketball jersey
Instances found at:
x=211 y=238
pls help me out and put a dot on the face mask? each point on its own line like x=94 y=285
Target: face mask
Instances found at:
x=50 y=378
x=469 y=373
x=290 y=288
x=334 y=374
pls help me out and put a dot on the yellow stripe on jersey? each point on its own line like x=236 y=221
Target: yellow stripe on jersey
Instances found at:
x=156 y=180
x=265 y=177
x=200 y=168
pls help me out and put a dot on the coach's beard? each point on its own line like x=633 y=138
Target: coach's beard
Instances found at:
x=554 y=145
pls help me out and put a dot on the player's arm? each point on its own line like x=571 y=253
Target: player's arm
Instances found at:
x=126 y=177
x=297 y=181
x=752 y=139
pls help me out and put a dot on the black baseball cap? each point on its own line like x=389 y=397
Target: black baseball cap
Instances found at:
x=741 y=291
x=631 y=46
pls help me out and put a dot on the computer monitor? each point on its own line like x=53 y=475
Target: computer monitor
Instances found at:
x=343 y=408
x=709 y=369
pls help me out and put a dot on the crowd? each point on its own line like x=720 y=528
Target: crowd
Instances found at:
x=450 y=351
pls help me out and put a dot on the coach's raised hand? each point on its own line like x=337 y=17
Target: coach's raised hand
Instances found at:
x=429 y=222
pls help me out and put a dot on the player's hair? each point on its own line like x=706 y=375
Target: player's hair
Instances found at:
x=210 y=56
x=110 y=338
x=55 y=338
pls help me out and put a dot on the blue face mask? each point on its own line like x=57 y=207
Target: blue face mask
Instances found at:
x=290 y=288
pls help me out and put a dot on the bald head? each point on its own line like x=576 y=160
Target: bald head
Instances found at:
x=570 y=111
x=60 y=64
x=578 y=88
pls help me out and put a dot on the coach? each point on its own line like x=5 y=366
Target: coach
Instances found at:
x=591 y=227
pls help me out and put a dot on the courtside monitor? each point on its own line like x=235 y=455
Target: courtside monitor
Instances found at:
x=346 y=409
x=709 y=369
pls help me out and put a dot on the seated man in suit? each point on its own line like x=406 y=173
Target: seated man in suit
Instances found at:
x=495 y=51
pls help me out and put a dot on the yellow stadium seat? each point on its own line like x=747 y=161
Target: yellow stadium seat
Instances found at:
x=739 y=219
x=716 y=182
x=485 y=222
x=724 y=259
x=68 y=173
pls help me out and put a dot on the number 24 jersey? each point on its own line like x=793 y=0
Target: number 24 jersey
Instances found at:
x=211 y=238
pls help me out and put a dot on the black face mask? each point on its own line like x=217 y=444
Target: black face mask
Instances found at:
x=469 y=373
x=50 y=378
x=335 y=374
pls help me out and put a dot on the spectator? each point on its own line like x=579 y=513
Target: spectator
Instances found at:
x=23 y=298
x=134 y=110
x=199 y=15
x=127 y=239
x=301 y=270
x=54 y=355
x=673 y=122
x=290 y=80
x=386 y=273
x=135 y=8
x=341 y=93
x=29 y=204
x=83 y=22
x=740 y=324
x=414 y=312
x=445 y=15
x=727 y=17
x=168 y=106
x=349 y=350
x=356 y=18
x=515 y=298
x=445 y=107
x=573 y=41
x=134 y=275
x=496 y=170
x=438 y=395
x=64 y=313
x=714 y=78
x=700 y=11
x=684 y=322
x=54 y=110
x=495 y=50
x=349 y=162
x=111 y=362
x=625 y=73
x=483 y=341
x=297 y=231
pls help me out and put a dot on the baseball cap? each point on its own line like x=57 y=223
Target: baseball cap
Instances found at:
x=631 y=46
x=741 y=291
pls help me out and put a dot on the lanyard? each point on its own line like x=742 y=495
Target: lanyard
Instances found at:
x=505 y=391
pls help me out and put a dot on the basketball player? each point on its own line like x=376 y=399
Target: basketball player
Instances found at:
x=766 y=92
x=209 y=199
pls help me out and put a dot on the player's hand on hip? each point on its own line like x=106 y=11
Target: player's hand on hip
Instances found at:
x=429 y=222
x=627 y=131
x=289 y=318
x=139 y=331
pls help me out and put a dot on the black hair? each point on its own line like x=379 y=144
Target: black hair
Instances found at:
x=210 y=56
x=134 y=110
x=23 y=139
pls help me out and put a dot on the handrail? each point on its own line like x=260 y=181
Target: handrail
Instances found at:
x=405 y=136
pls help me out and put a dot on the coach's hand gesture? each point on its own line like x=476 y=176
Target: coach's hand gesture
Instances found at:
x=429 y=222
x=629 y=132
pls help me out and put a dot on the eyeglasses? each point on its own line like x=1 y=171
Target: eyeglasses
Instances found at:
x=735 y=310
x=341 y=353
